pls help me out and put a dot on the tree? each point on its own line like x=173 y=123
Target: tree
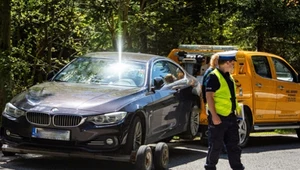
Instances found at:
x=5 y=25
x=4 y=49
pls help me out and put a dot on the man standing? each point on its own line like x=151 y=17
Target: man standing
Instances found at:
x=222 y=119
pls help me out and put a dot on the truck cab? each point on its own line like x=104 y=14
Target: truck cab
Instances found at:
x=268 y=87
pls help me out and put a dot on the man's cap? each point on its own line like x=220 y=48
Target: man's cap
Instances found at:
x=227 y=55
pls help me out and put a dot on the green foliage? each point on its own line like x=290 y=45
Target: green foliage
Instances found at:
x=14 y=72
x=46 y=34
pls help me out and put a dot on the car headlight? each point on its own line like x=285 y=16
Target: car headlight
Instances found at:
x=109 y=118
x=11 y=110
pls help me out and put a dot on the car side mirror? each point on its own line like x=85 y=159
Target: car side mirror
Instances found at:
x=158 y=82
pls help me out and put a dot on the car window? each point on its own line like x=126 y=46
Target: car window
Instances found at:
x=168 y=71
x=283 y=71
x=261 y=66
x=103 y=71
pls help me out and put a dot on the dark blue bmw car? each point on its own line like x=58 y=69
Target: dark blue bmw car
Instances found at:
x=103 y=102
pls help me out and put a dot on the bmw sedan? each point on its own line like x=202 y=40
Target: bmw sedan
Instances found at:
x=103 y=102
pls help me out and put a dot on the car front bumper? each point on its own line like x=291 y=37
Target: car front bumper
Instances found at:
x=86 y=137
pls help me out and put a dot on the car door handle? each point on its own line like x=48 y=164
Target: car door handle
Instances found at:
x=258 y=85
x=281 y=87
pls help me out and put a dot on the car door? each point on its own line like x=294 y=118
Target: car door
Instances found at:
x=164 y=111
x=287 y=90
x=264 y=89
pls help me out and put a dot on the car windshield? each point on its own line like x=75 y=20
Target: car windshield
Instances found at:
x=103 y=71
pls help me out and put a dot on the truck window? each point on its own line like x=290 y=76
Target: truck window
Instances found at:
x=283 y=71
x=261 y=66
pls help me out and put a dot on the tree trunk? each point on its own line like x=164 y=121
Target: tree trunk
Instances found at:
x=125 y=21
x=5 y=25
x=5 y=20
x=220 y=23
x=143 y=35
x=260 y=39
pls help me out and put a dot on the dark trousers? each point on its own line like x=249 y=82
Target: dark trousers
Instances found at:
x=218 y=135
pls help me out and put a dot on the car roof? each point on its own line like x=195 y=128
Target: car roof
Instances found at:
x=141 y=57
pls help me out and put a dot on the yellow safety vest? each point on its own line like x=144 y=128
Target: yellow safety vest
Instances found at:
x=222 y=96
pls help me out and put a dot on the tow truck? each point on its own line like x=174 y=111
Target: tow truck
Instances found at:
x=268 y=88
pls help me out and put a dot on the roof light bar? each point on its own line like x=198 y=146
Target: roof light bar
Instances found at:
x=207 y=47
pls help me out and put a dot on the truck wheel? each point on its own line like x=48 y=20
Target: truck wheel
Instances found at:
x=135 y=136
x=144 y=158
x=193 y=124
x=244 y=131
x=161 y=156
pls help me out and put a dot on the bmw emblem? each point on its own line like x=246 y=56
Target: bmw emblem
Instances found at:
x=54 y=109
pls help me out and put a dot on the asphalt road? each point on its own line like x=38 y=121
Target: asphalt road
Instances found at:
x=262 y=153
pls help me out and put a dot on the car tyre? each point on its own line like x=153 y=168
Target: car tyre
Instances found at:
x=135 y=136
x=193 y=125
x=244 y=131
x=161 y=156
x=144 y=158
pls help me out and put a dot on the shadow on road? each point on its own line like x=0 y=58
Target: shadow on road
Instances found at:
x=185 y=152
x=23 y=162
x=257 y=144
x=271 y=143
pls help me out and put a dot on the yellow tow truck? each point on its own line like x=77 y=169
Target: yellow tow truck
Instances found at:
x=268 y=87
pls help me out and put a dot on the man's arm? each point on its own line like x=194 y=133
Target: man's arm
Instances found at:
x=211 y=106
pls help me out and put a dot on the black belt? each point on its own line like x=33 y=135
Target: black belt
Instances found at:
x=231 y=114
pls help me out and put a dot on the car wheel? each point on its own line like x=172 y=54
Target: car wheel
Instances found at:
x=144 y=158
x=244 y=131
x=193 y=126
x=161 y=156
x=8 y=153
x=135 y=136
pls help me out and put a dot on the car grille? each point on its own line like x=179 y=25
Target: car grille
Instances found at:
x=44 y=119
x=66 y=120
x=38 y=118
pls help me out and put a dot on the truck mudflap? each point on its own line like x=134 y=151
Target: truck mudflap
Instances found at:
x=113 y=157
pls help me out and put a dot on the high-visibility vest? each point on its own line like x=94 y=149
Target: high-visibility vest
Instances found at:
x=222 y=96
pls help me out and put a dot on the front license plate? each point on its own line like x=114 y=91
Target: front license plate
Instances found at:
x=53 y=134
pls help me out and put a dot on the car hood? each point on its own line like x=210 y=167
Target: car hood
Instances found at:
x=74 y=96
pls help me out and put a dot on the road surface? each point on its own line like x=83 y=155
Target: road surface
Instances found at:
x=262 y=153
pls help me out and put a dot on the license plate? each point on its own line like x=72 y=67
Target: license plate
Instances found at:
x=53 y=134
